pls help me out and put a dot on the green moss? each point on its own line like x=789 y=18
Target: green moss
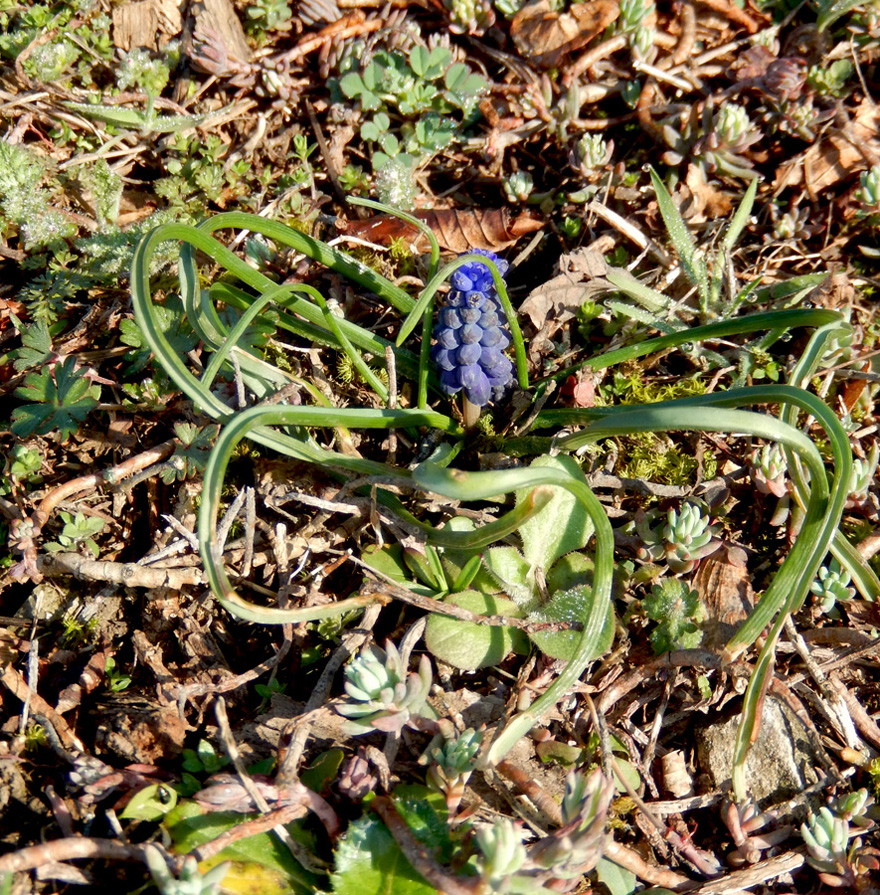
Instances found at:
x=657 y=459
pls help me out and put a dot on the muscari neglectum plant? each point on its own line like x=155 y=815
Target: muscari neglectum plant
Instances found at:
x=478 y=286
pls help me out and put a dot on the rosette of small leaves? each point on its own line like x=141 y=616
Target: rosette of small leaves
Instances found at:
x=137 y=68
x=842 y=861
x=632 y=23
x=832 y=585
x=769 y=471
x=869 y=190
x=518 y=186
x=452 y=764
x=268 y=15
x=716 y=142
x=503 y=855
x=683 y=539
x=853 y=808
x=471 y=334
x=678 y=612
x=826 y=837
x=470 y=16
x=591 y=153
x=191 y=880
x=382 y=695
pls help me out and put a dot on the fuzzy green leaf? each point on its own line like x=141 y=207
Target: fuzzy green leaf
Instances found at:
x=468 y=646
x=561 y=526
x=506 y=570
x=570 y=606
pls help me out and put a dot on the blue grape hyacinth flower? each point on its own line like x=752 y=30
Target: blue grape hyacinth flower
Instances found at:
x=472 y=333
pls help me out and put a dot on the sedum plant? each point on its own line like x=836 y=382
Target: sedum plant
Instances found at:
x=834 y=848
x=381 y=694
x=832 y=586
x=682 y=537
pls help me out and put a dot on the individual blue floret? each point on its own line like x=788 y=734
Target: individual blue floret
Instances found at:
x=471 y=334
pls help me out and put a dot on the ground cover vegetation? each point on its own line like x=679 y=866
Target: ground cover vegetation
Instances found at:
x=439 y=447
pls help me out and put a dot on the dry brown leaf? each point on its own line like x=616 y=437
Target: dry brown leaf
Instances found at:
x=148 y=23
x=840 y=154
x=557 y=300
x=544 y=36
x=707 y=201
x=725 y=589
x=456 y=230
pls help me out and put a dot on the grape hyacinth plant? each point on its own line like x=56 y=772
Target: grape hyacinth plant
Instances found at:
x=471 y=334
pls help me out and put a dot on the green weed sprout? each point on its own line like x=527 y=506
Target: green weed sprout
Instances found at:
x=678 y=612
x=190 y=882
x=78 y=531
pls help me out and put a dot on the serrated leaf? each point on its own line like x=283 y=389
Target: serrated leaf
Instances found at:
x=560 y=527
x=370 y=862
x=36 y=347
x=171 y=319
x=63 y=397
x=469 y=646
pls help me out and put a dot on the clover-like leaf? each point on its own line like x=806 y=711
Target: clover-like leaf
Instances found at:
x=63 y=397
x=470 y=646
x=429 y=65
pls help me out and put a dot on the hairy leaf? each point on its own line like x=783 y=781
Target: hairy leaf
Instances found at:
x=469 y=646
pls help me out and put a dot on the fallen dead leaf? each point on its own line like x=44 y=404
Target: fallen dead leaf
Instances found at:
x=838 y=155
x=544 y=36
x=457 y=230
x=557 y=300
x=723 y=583
x=707 y=201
